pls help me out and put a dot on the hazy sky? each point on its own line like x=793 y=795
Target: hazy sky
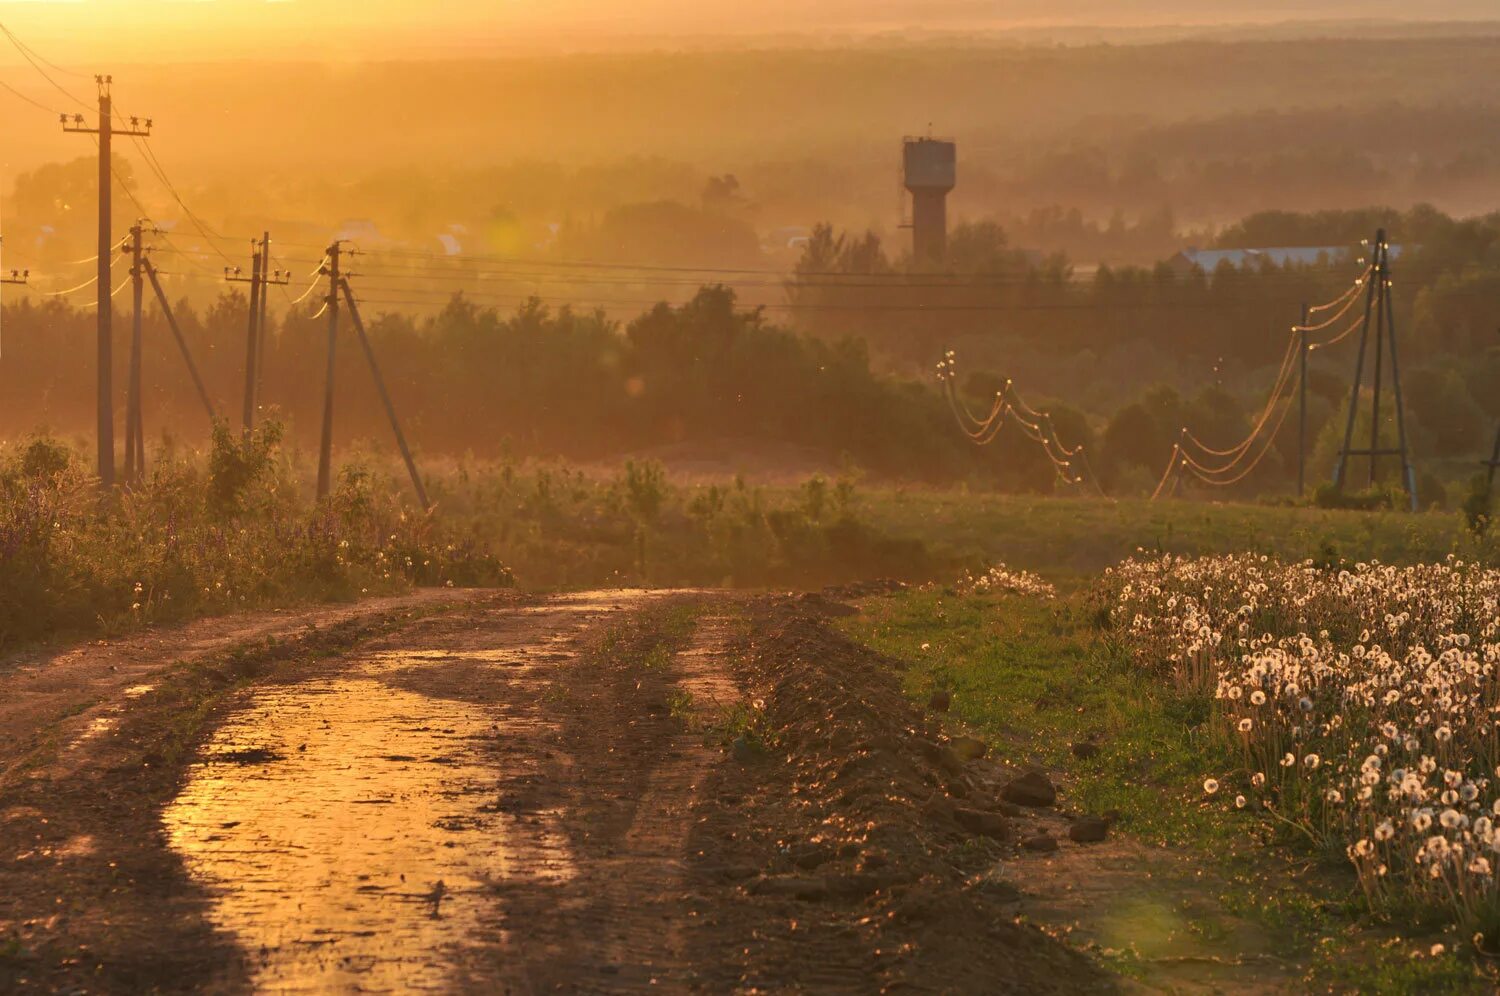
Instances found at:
x=87 y=31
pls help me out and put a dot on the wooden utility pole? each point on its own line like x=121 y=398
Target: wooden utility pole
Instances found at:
x=135 y=459
x=105 y=132
x=385 y=397
x=1302 y=406
x=15 y=277
x=260 y=277
x=1492 y=463
x=325 y=445
x=248 y=415
x=276 y=277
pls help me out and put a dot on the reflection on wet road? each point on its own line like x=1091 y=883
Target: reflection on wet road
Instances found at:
x=351 y=827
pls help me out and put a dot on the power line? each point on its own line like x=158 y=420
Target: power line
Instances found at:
x=72 y=290
x=34 y=103
x=35 y=64
x=1030 y=277
x=50 y=64
x=161 y=174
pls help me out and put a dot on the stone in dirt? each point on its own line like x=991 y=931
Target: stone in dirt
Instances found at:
x=1041 y=842
x=826 y=606
x=969 y=748
x=1088 y=830
x=1031 y=789
x=809 y=889
x=984 y=824
x=950 y=761
x=941 y=701
x=743 y=750
x=938 y=808
x=735 y=873
x=809 y=856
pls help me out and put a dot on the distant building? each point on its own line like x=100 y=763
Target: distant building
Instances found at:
x=360 y=230
x=792 y=237
x=929 y=170
x=1209 y=260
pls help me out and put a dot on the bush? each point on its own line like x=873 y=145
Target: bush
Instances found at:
x=1369 y=500
x=45 y=457
x=236 y=465
x=200 y=537
x=1477 y=506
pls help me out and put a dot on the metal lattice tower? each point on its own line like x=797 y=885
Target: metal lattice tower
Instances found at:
x=1380 y=314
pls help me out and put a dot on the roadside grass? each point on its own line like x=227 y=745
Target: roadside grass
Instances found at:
x=560 y=526
x=1037 y=677
x=233 y=528
x=203 y=534
x=1076 y=537
x=1034 y=677
x=648 y=639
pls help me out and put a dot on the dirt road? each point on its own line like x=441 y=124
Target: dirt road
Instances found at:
x=604 y=792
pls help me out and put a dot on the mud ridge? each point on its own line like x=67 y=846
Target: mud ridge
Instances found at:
x=856 y=855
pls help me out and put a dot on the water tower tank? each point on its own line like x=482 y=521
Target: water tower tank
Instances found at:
x=929 y=169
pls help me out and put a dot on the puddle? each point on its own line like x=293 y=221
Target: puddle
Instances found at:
x=349 y=829
x=1153 y=916
x=386 y=662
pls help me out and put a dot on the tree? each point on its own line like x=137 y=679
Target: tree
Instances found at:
x=1452 y=423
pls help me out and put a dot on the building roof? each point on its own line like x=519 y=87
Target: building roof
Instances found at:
x=1209 y=260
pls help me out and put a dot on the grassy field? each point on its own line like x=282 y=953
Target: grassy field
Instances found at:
x=558 y=526
x=235 y=527
x=1075 y=537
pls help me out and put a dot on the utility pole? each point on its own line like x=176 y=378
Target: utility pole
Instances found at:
x=105 y=133
x=1379 y=312
x=325 y=445
x=19 y=277
x=276 y=277
x=260 y=276
x=248 y=416
x=135 y=459
x=15 y=277
x=1302 y=406
x=1492 y=463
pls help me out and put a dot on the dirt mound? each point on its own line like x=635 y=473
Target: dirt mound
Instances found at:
x=856 y=835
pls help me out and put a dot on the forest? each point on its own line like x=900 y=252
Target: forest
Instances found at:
x=842 y=374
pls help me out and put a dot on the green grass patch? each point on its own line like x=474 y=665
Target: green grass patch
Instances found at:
x=1075 y=537
x=1033 y=677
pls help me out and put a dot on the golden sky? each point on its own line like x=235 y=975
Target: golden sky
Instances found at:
x=89 y=31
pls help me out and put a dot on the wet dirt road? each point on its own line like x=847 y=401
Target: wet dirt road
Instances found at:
x=381 y=826
x=620 y=791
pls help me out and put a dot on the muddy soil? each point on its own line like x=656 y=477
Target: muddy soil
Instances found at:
x=604 y=792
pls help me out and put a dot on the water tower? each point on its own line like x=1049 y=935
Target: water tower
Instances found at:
x=928 y=171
